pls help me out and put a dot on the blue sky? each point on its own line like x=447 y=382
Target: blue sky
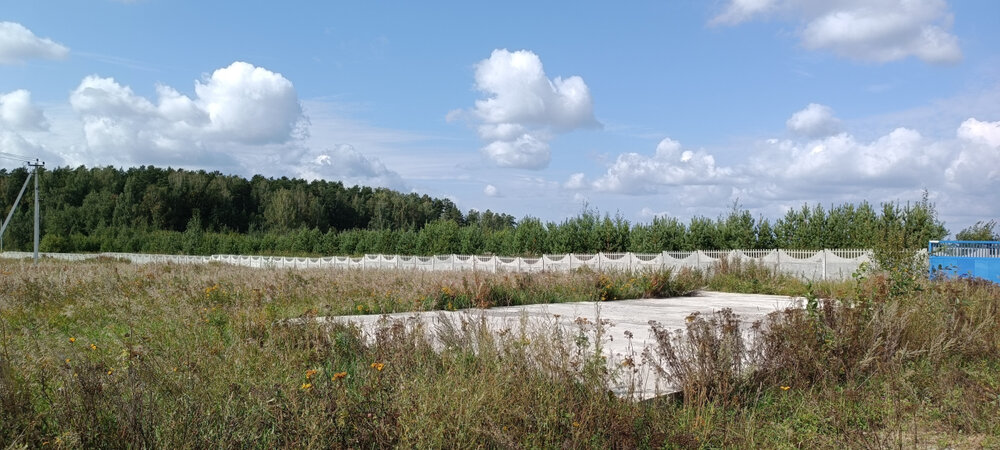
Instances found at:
x=532 y=108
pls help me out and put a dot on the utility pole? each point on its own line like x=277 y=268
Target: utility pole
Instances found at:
x=35 y=167
x=34 y=173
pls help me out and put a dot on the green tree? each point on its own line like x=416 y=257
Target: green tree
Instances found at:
x=980 y=231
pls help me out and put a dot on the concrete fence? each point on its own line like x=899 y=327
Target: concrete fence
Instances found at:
x=807 y=264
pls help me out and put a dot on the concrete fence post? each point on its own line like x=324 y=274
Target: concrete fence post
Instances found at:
x=824 y=264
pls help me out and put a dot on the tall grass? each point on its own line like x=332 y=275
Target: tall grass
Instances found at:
x=109 y=354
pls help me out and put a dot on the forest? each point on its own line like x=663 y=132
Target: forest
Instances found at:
x=175 y=211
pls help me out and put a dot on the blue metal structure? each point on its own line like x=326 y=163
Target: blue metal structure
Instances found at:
x=973 y=259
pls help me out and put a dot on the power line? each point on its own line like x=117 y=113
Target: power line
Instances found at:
x=20 y=158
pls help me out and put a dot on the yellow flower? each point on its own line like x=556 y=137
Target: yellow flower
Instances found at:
x=110 y=371
x=576 y=424
x=72 y=340
x=338 y=376
x=785 y=388
x=378 y=366
x=310 y=373
x=306 y=386
x=67 y=360
x=93 y=347
x=361 y=308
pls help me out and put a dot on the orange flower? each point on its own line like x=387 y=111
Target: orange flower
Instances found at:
x=93 y=347
x=338 y=375
x=310 y=373
x=378 y=366
x=72 y=340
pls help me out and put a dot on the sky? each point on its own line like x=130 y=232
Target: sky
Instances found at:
x=647 y=108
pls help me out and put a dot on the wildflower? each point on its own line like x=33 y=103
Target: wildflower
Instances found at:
x=310 y=373
x=785 y=388
x=378 y=366
x=93 y=347
x=67 y=360
x=361 y=308
x=306 y=386
x=576 y=424
x=110 y=371
x=72 y=340
x=338 y=376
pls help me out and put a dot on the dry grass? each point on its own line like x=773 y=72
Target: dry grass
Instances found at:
x=109 y=354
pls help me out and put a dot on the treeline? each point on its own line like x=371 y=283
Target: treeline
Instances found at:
x=172 y=211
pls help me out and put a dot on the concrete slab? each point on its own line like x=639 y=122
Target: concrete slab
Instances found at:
x=621 y=318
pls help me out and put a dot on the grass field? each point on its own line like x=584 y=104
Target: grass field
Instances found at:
x=110 y=354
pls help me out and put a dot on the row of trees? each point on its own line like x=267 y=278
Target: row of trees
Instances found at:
x=83 y=200
x=154 y=210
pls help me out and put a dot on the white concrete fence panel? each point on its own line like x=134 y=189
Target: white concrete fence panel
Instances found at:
x=807 y=264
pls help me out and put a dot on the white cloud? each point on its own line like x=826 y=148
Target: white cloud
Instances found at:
x=491 y=191
x=523 y=108
x=982 y=132
x=19 y=114
x=738 y=11
x=249 y=104
x=239 y=104
x=901 y=158
x=524 y=152
x=633 y=173
x=976 y=168
x=520 y=93
x=814 y=121
x=648 y=213
x=871 y=30
x=18 y=44
x=343 y=162
x=576 y=181
x=21 y=123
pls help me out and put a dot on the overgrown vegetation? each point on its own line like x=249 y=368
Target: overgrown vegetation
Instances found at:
x=111 y=354
x=174 y=211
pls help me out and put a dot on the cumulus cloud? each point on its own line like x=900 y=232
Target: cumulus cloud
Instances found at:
x=524 y=109
x=976 y=168
x=17 y=113
x=491 y=191
x=872 y=30
x=525 y=152
x=814 y=121
x=900 y=158
x=987 y=133
x=249 y=104
x=345 y=163
x=20 y=124
x=633 y=173
x=739 y=11
x=962 y=171
x=576 y=181
x=18 y=44
x=238 y=104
